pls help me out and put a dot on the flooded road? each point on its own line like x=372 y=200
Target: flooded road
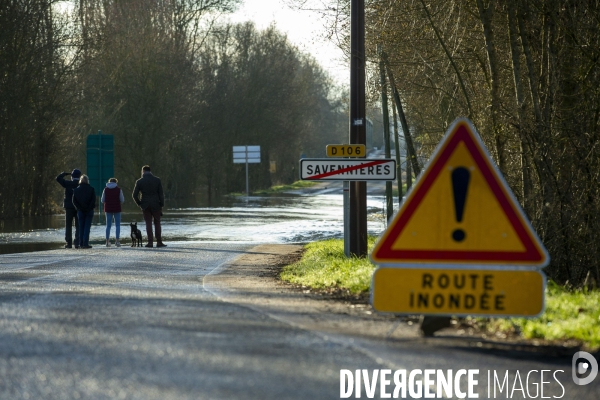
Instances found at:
x=290 y=218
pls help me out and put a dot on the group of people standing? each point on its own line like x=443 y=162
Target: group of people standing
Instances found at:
x=80 y=201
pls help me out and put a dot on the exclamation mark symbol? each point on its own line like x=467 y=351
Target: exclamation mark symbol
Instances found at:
x=460 y=186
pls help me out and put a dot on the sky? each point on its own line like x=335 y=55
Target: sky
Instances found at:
x=304 y=28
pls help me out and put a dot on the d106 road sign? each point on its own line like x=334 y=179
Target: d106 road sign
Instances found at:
x=325 y=169
x=346 y=150
x=440 y=291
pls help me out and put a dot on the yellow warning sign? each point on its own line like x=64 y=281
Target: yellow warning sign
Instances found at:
x=461 y=211
x=458 y=292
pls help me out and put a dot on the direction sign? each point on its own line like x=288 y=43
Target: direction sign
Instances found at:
x=246 y=154
x=346 y=150
x=458 y=292
x=326 y=169
x=461 y=211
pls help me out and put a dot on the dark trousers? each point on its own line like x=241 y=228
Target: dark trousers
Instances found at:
x=149 y=215
x=70 y=215
x=85 y=224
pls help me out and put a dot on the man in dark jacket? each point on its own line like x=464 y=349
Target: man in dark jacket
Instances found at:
x=84 y=200
x=151 y=202
x=70 y=211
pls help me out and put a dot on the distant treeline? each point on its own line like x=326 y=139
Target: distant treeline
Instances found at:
x=176 y=89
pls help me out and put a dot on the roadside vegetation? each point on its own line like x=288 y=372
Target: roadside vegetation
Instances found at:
x=278 y=189
x=324 y=265
x=571 y=314
x=527 y=77
x=395 y=191
x=285 y=188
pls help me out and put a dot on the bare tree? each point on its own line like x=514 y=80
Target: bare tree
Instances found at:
x=526 y=73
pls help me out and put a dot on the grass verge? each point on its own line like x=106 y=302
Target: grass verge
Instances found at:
x=278 y=189
x=570 y=314
x=284 y=188
x=324 y=266
x=395 y=191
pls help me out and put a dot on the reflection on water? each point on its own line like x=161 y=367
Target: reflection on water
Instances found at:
x=256 y=219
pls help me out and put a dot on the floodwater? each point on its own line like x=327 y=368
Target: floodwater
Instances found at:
x=274 y=219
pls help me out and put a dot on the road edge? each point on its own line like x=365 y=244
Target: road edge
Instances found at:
x=251 y=280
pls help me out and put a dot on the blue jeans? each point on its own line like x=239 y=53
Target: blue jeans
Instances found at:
x=85 y=223
x=109 y=218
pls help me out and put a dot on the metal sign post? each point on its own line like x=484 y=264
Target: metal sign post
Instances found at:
x=347 y=170
x=246 y=155
x=347 y=218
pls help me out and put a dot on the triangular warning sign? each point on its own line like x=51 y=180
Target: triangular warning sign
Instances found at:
x=460 y=211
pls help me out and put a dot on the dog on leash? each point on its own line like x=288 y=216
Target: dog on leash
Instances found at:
x=136 y=235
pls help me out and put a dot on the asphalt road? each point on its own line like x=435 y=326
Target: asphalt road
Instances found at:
x=137 y=324
x=140 y=324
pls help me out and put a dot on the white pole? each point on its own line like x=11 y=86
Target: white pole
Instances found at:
x=247 y=191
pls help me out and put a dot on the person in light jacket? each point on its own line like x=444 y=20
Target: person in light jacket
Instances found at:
x=84 y=200
x=112 y=198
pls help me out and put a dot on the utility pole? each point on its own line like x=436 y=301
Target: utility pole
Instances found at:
x=358 y=190
x=386 y=134
x=398 y=157
x=412 y=155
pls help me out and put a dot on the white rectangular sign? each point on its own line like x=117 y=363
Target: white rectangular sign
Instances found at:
x=246 y=154
x=327 y=169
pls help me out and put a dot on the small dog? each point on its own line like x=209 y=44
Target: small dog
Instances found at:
x=136 y=235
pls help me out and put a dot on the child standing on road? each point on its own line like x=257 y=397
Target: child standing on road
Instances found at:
x=112 y=198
